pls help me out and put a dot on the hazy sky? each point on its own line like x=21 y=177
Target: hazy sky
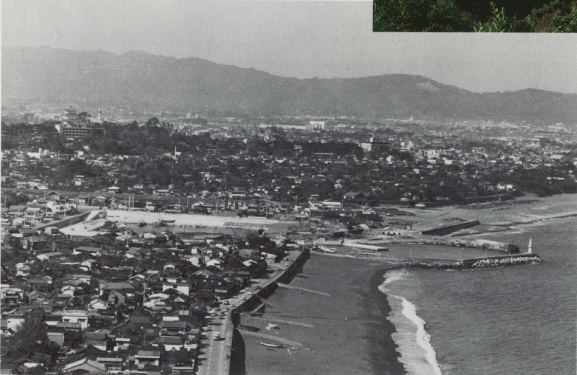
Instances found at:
x=294 y=38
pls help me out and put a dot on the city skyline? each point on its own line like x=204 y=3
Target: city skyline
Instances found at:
x=277 y=38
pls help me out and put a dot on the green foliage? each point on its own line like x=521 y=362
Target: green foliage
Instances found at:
x=565 y=23
x=499 y=21
x=339 y=148
x=72 y=339
x=11 y=199
x=419 y=15
x=32 y=370
x=31 y=336
x=444 y=16
x=475 y=15
x=553 y=17
x=331 y=215
x=262 y=243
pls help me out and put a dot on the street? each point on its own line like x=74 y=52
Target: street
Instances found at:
x=212 y=358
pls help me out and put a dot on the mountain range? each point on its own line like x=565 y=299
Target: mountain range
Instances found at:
x=143 y=80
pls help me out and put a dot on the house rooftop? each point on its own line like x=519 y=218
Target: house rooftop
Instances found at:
x=148 y=353
x=170 y=340
x=173 y=324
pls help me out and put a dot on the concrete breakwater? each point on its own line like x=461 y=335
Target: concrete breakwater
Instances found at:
x=453 y=242
x=488 y=262
x=429 y=263
x=442 y=231
x=472 y=244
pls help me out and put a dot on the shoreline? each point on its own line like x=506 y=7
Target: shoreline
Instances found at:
x=537 y=220
x=391 y=358
x=352 y=332
x=348 y=331
x=416 y=352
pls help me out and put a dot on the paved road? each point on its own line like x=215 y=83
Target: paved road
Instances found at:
x=213 y=358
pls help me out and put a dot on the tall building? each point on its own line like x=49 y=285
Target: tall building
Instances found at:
x=374 y=145
x=313 y=125
x=72 y=126
x=76 y=130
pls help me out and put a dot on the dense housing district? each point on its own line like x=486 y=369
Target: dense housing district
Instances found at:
x=123 y=242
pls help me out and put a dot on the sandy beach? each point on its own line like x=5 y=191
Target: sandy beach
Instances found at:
x=350 y=333
x=522 y=210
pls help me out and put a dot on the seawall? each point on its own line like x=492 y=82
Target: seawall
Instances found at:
x=267 y=287
x=450 y=228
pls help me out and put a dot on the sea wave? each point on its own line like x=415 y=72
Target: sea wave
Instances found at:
x=390 y=277
x=423 y=338
x=411 y=334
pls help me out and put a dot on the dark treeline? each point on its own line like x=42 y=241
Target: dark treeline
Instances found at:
x=475 y=15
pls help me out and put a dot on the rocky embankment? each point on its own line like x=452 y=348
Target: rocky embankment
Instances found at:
x=491 y=262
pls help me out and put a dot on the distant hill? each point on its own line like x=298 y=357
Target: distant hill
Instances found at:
x=142 y=80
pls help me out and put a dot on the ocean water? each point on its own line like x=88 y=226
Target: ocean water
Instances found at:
x=511 y=320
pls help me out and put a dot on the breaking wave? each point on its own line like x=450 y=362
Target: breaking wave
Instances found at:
x=413 y=341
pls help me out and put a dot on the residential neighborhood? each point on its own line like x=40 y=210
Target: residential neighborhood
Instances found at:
x=126 y=246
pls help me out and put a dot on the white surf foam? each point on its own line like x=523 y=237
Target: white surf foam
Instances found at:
x=423 y=338
x=413 y=341
x=390 y=277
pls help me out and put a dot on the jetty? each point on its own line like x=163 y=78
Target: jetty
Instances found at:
x=486 y=262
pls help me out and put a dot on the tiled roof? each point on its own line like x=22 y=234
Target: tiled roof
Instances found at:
x=171 y=340
x=148 y=353
x=173 y=324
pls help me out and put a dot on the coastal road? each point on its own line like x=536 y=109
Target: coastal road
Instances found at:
x=214 y=356
x=213 y=360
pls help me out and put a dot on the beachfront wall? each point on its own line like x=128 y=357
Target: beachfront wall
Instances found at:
x=253 y=301
x=186 y=219
x=268 y=288
x=450 y=228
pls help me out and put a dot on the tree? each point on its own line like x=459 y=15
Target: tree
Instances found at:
x=419 y=15
x=475 y=15
x=153 y=122
x=31 y=336
x=565 y=23
x=72 y=339
x=499 y=21
x=29 y=370
x=84 y=116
